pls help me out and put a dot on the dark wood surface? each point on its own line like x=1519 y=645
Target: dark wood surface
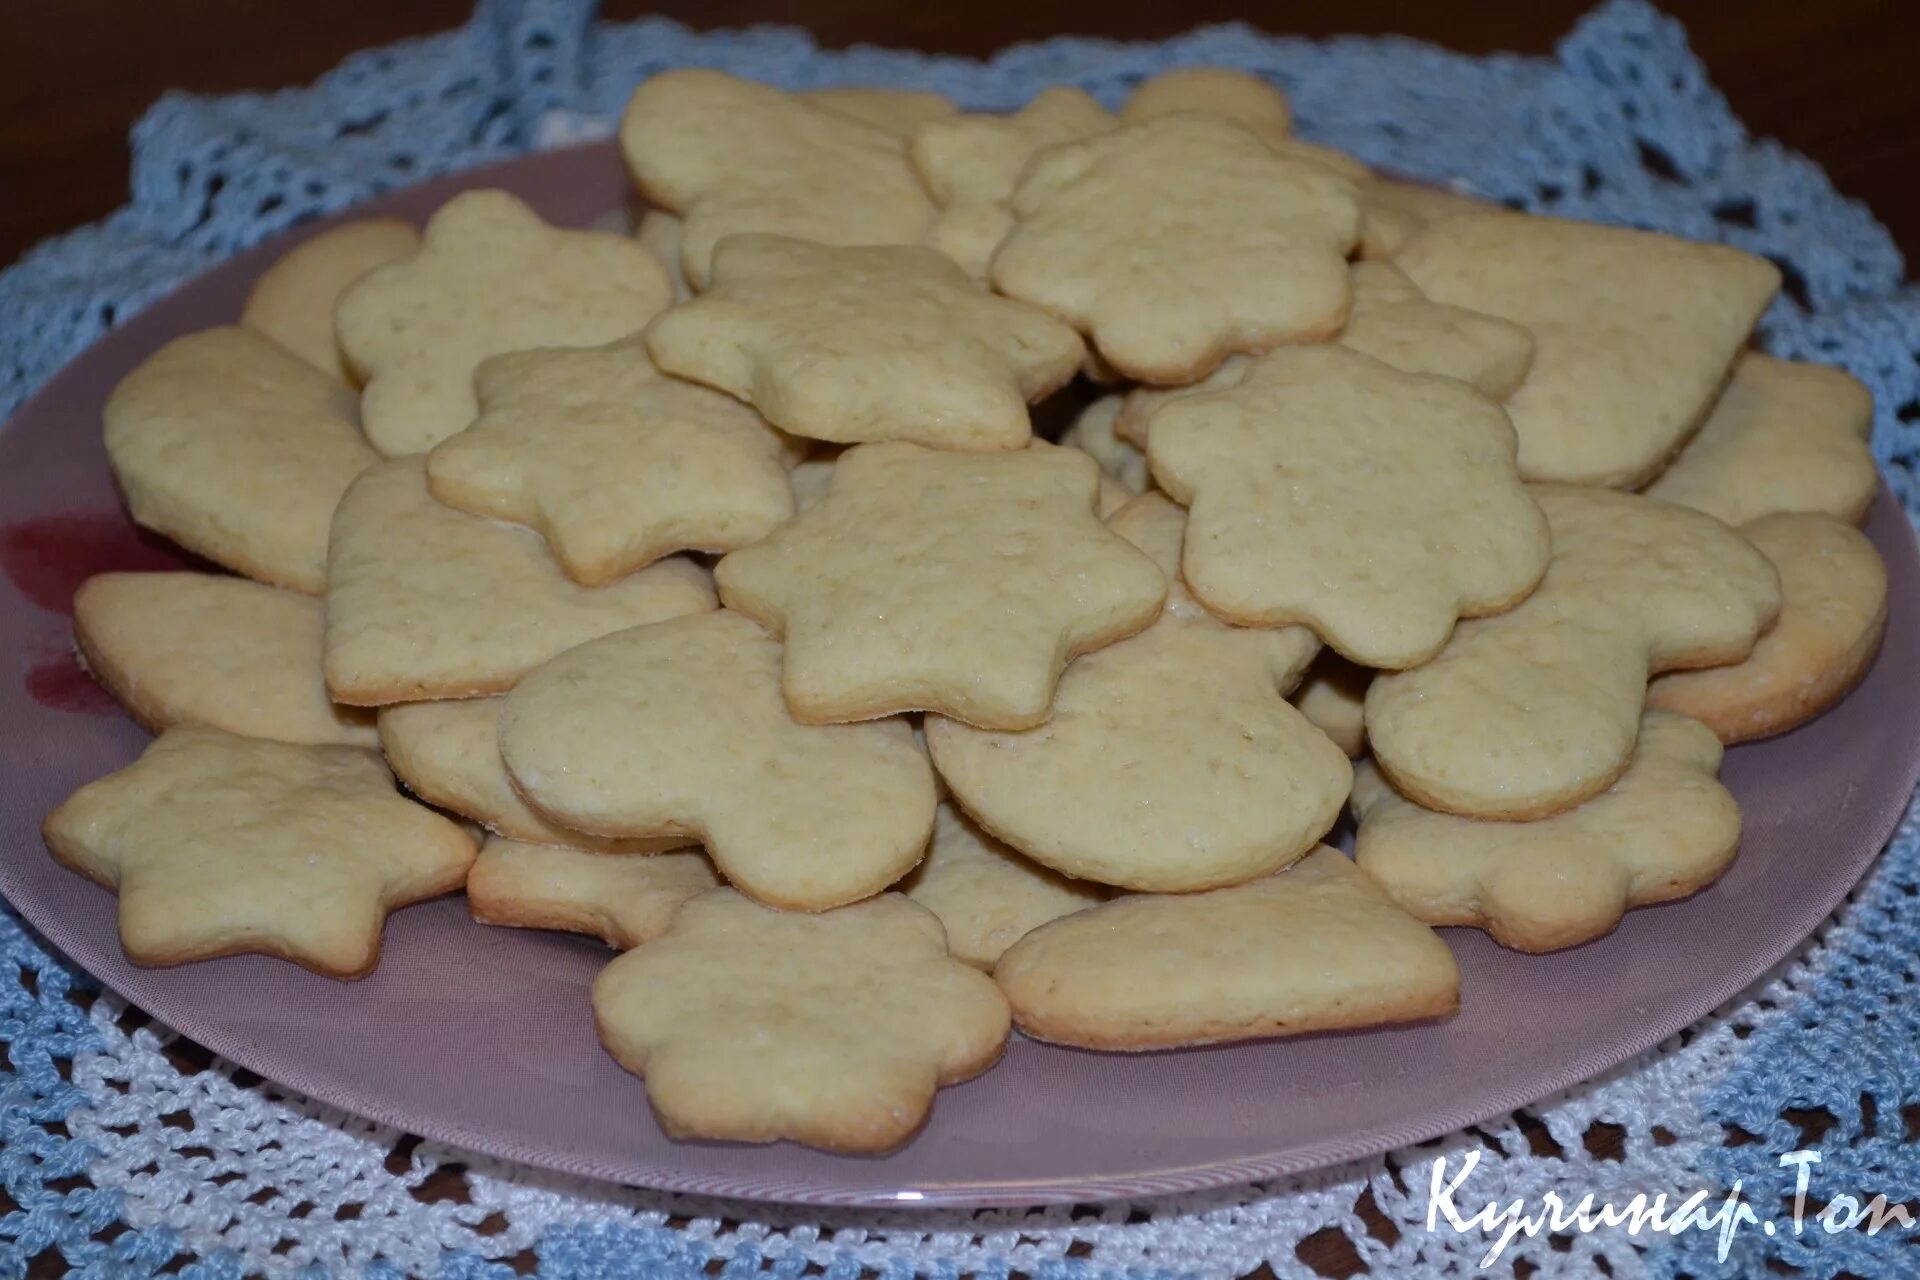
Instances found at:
x=1833 y=80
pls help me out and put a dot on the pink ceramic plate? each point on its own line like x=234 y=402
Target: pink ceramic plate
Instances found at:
x=482 y=1037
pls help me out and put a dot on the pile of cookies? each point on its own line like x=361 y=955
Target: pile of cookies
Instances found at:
x=716 y=575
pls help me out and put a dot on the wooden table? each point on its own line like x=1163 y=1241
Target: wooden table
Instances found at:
x=1833 y=80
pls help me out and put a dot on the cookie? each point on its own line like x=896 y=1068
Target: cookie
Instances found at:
x=1783 y=436
x=197 y=648
x=1333 y=696
x=1237 y=95
x=1317 y=947
x=621 y=899
x=678 y=729
x=900 y=111
x=1138 y=404
x=448 y=753
x=1664 y=830
x=1120 y=460
x=238 y=450
x=292 y=301
x=1393 y=211
x=661 y=233
x=1633 y=331
x=1172 y=761
x=971 y=164
x=873 y=343
x=221 y=845
x=987 y=896
x=1529 y=713
x=948 y=582
x=1329 y=490
x=615 y=465
x=427 y=602
x=490 y=278
x=832 y=1030
x=810 y=480
x=1174 y=242
x=1833 y=616
x=732 y=156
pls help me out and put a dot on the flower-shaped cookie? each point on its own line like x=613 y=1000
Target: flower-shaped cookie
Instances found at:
x=1665 y=829
x=491 y=278
x=1332 y=491
x=1176 y=241
x=615 y=464
x=678 y=729
x=238 y=450
x=1172 y=761
x=730 y=156
x=220 y=845
x=1317 y=947
x=1633 y=332
x=875 y=343
x=1783 y=436
x=427 y=602
x=1529 y=713
x=971 y=164
x=623 y=899
x=949 y=582
x=834 y=1030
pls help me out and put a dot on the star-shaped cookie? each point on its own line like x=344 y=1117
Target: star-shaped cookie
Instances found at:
x=859 y=344
x=832 y=1030
x=971 y=164
x=1172 y=761
x=1332 y=491
x=732 y=156
x=614 y=464
x=220 y=845
x=949 y=582
x=238 y=450
x=490 y=278
x=1174 y=242
x=678 y=729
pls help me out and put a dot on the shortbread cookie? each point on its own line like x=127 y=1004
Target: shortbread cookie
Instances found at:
x=1633 y=331
x=810 y=480
x=987 y=896
x=1833 y=615
x=1333 y=694
x=971 y=164
x=1176 y=241
x=1172 y=761
x=614 y=464
x=427 y=602
x=1237 y=95
x=1394 y=322
x=238 y=450
x=219 y=845
x=293 y=300
x=1092 y=432
x=661 y=233
x=731 y=156
x=448 y=754
x=621 y=899
x=678 y=730
x=948 y=582
x=1393 y=211
x=832 y=1030
x=1317 y=947
x=1139 y=403
x=900 y=111
x=1332 y=491
x=491 y=278
x=874 y=343
x=1664 y=830
x=1529 y=713
x=197 y=648
x=1782 y=437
